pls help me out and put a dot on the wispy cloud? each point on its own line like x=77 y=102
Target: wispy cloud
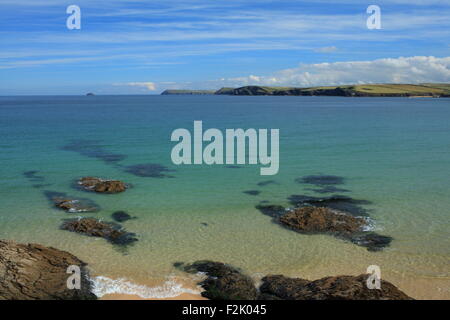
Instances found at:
x=150 y=86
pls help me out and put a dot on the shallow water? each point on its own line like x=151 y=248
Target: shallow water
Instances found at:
x=393 y=152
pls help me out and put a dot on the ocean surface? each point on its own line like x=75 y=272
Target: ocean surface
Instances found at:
x=391 y=152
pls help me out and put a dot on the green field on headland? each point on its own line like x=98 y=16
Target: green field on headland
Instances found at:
x=360 y=90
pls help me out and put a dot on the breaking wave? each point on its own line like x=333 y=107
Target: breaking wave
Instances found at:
x=169 y=289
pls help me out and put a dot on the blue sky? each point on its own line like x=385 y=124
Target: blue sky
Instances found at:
x=143 y=47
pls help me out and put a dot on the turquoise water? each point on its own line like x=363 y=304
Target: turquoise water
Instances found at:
x=394 y=152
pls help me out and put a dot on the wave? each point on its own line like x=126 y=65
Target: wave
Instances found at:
x=169 y=289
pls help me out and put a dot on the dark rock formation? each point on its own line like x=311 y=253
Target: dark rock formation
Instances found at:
x=70 y=204
x=322 y=220
x=223 y=282
x=329 y=288
x=112 y=232
x=102 y=186
x=35 y=272
x=121 y=216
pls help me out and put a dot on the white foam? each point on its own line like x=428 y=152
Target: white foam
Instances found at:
x=169 y=289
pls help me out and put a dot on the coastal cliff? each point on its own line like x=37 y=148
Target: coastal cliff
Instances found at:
x=366 y=90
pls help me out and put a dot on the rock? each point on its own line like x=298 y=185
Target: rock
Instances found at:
x=36 y=272
x=329 y=288
x=311 y=220
x=121 y=216
x=90 y=94
x=320 y=220
x=223 y=282
x=101 y=185
x=112 y=232
x=69 y=204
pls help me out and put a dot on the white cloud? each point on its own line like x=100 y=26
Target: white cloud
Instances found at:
x=417 y=69
x=150 y=86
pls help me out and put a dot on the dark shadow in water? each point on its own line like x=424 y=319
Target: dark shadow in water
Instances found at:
x=70 y=204
x=233 y=167
x=321 y=180
x=252 y=192
x=337 y=202
x=272 y=210
x=93 y=149
x=266 y=183
x=33 y=177
x=121 y=216
x=329 y=189
x=148 y=170
x=41 y=185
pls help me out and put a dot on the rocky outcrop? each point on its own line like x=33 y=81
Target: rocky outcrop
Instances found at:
x=223 y=282
x=329 y=288
x=320 y=220
x=36 y=272
x=112 y=232
x=101 y=185
x=311 y=219
x=70 y=204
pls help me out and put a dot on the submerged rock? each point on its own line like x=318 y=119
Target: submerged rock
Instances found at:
x=266 y=183
x=371 y=240
x=101 y=185
x=35 y=272
x=329 y=288
x=271 y=210
x=320 y=180
x=112 y=232
x=337 y=202
x=149 y=170
x=223 y=282
x=252 y=192
x=121 y=216
x=93 y=149
x=69 y=204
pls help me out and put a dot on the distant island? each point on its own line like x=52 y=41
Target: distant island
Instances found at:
x=436 y=90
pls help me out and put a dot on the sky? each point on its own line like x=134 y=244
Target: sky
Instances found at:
x=146 y=46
